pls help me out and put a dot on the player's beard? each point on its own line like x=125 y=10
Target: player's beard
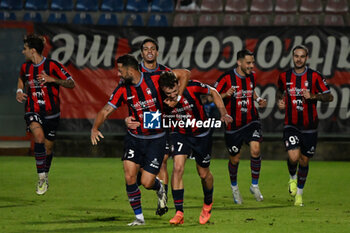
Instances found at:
x=149 y=61
x=246 y=71
x=128 y=80
x=296 y=66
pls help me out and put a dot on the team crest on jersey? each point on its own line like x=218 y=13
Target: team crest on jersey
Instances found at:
x=324 y=81
x=251 y=85
x=148 y=91
x=306 y=84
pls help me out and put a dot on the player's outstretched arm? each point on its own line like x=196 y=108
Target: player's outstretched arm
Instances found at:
x=221 y=106
x=44 y=78
x=102 y=115
x=20 y=95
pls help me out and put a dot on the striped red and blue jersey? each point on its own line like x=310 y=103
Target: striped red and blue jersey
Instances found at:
x=43 y=99
x=301 y=113
x=158 y=70
x=140 y=98
x=240 y=105
x=190 y=107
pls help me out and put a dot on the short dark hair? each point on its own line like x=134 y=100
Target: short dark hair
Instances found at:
x=149 y=40
x=245 y=52
x=128 y=60
x=35 y=42
x=301 y=47
x=168 y=79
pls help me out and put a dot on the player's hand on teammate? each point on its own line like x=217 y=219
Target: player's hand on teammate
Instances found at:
x=131 y=122
x=306 y=94
x=95 y=136
x=230 y=91
x=44 y=78
x=226 y=118
x=20 y=97
x=262 y=103
x=281 y=104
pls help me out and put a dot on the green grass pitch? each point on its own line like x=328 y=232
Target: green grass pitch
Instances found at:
x=88 y=195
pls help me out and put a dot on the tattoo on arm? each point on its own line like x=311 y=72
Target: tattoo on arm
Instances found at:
x=323 y=97
x=65 y=83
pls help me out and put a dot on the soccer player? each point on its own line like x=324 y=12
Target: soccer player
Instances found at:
x=42 y=78
x=142 y=146
x=149 y=53
x=190 y=138
x=237 y=90
x=298 y=91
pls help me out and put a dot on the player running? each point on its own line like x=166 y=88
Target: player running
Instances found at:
x=237 y=90
x=142 y=146
x=190 y=139
x=149 y=53
x=298 y=91
x=38 y=87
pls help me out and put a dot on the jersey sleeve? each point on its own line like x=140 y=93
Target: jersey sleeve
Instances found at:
x=221 y=84
x=200 y=87
x=59 y=71
x=321 y=85
x=22 y=72
x=118 y=97
x=280 y=84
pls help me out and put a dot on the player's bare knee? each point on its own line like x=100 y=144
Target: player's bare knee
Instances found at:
x=304 y=160
x=147 y=184
x=39 y=139
x=178 y=169
x=255 y=153
x=130 y=179
x=234 y=159
x=204 y=174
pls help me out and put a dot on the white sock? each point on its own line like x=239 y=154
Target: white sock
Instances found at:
x=140 y=217
x=294 y=177
x=234 y=186
x=42 y=175
x=299 y=191
x=255 y=185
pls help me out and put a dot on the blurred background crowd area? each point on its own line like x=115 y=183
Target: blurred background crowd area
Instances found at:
x=179 y=13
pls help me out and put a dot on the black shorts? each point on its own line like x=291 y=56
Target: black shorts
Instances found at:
x=197 y=147
x=48 y=124
x=306 y=141
x=148 y=153
x=235 y=139
x=167 y=145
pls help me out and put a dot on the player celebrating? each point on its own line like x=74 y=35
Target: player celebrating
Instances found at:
x=42 y=78
x=185 y=140
x=142 y=145
x=237 y=90
x=149 y=53
x=298 y=91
